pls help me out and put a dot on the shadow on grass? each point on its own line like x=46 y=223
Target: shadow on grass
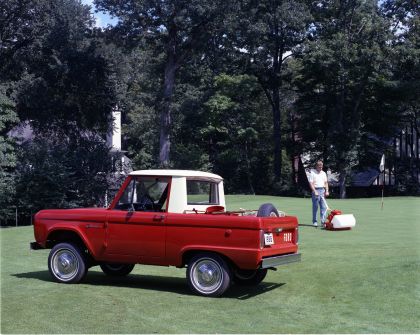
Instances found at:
x=156 y=283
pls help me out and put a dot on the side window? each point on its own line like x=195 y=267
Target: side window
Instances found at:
x=145 y=194
x=202 y=192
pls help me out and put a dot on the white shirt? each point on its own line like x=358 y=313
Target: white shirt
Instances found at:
x=318 y=179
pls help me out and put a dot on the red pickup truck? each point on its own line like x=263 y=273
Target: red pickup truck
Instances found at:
x=169 y=218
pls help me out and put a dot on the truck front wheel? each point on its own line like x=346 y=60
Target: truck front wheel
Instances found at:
x=249 y=277
x=208 y=275
x=67 y=263
x=117 y=269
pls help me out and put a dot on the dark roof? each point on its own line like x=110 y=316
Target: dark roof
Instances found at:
x=365 y=178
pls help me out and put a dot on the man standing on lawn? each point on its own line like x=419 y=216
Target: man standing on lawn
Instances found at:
x=318 y=182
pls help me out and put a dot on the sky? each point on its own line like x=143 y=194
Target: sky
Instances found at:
x=102 y=19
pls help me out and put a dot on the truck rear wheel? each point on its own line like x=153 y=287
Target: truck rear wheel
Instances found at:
x=67 y=263
x=249 y=277
x=267 y=210
x=208 y=275
x=114 y=269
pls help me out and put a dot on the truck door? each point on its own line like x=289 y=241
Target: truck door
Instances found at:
x=136 y=224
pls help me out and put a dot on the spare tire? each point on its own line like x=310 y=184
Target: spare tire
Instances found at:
x=267 y=210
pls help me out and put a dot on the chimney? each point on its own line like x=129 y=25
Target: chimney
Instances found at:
x=113 y=138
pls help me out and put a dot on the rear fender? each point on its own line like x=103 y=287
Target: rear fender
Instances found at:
x=241 y=258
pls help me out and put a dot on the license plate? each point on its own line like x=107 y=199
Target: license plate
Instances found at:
x=268 y=239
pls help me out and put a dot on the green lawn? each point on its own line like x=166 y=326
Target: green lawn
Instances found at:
x=366 y=280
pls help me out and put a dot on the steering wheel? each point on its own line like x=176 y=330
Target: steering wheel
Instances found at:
x=146 y=202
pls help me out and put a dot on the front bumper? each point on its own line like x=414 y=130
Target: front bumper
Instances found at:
x=270 y=262
x=35 y=246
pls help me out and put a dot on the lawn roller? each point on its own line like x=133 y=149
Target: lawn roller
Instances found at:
x=336 y=220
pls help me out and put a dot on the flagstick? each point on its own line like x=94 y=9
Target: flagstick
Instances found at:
x=382 y=170
x=382 y=204
x=383 y=186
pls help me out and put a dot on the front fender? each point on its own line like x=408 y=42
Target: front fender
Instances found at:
x=77 y=230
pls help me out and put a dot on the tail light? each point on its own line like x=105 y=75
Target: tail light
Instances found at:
x=262 y=243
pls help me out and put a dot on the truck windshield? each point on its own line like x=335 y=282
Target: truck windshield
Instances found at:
x=202 y=192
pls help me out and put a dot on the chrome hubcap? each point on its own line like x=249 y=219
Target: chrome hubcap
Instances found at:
x=65 y=264
x=207 y=275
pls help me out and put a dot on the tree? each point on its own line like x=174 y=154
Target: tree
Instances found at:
x=340 y=72
x=55 y=74
x=402 y=96
x=17 y=31
x=175 y=30
x=228 y=130
x=21 y=29
x=141 y=119
x=8 y=119
x=57 y=171
x=237 y=128
x=69 y=80
x=265 y=34
x=51 y=51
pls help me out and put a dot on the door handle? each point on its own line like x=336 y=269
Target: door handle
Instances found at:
x=159 y=218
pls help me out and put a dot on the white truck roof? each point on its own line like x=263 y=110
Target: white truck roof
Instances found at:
x=175 y=173
x=178 y=199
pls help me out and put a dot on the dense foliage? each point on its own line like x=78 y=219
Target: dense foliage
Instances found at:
x=56 y=78
x=339 y=77
x=237 y=87
x=57 y=172
x=8 y=118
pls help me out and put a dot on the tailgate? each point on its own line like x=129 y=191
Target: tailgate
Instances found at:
x=279 y=236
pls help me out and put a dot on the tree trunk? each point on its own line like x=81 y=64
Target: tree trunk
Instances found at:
x=165 y=116
x=277 y=134
x=276 y=85
x=342 y=183
x=292 y=148
x=248 y=170
x=273 y=96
